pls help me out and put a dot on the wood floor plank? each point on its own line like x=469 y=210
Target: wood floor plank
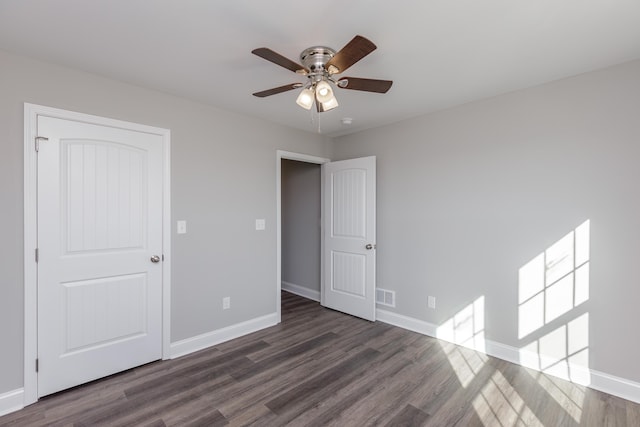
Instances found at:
x=180 y=406
x=410 y=416
x=367 y=399
x=327 y=382
x=255 y=415
x=283 y=356
x=263 y=387
x=323 y=368
x=209 y=417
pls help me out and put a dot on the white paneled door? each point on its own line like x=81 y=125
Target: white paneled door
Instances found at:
x=100 y=251
x=349 y=221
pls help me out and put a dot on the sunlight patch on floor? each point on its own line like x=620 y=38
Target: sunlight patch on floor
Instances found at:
x=569 y=396
x=499 y=404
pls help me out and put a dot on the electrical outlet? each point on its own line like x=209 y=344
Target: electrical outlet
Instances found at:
x=431 y=301
x=226 y=303
x=260 y=224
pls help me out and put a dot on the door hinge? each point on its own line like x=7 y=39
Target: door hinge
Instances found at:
x=38 y=139
x=37 y=365
x=37 y=255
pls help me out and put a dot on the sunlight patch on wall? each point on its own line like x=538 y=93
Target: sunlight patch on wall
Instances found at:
x=563 y=352
x=499 y=404
x=551 y=288
x=554 y=282
x=465 y=328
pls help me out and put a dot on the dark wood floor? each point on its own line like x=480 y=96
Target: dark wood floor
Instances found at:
x=323 y=368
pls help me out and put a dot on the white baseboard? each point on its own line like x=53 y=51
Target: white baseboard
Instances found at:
x=405 y=322
x=601 y=381
x=617 y=386
x=301 y=291
x=209 y=339
x=11 y=401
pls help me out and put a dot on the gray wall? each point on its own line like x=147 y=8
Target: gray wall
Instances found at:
x=223 y=178
x=468 y=196
x=301 y=224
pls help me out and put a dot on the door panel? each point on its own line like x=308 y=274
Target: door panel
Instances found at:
x=349 y=272
x=103 y=186
x=99 y=223
x=348 y=199
x=349 y=226
x=103 y=311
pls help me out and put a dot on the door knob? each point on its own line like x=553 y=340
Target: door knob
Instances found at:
x=155 y=258
x=369 y=246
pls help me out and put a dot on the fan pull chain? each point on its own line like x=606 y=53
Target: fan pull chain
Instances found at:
x=314 y=113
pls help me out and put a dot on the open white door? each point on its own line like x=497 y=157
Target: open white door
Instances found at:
x=100 y=251
x=349 y=224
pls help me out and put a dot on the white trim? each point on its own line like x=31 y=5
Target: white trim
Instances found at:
x=617 y=386
x=301 y=158
x=301 y=291
x=31 y=113
x=166 y=246
x=11 y=401
x=209 y=339
x=505 y=352
x=30 y=391
x=601 y=381
x=415 y=325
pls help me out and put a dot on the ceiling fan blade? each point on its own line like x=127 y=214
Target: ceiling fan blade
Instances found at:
x=276 y=90
x=278 y=59
x=368 y=85
x=354 y=51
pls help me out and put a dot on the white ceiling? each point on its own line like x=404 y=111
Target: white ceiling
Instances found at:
x=439 y=53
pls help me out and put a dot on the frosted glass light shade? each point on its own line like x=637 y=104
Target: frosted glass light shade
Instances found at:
x=324 y=92
x=305 y=99
x=330 y=104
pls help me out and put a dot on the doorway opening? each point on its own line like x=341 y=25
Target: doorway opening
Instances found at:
x=298 y=228
x=301 y=215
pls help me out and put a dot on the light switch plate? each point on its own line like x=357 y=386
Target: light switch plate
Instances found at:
x=431 y=302
x=260 y=224
x=182 y=227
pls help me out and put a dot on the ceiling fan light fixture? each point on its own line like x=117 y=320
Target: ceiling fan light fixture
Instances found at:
x=330 y=104
x=324 y=93
x=305 y=99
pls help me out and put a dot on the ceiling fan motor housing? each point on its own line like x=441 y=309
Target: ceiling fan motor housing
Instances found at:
x=315 y=58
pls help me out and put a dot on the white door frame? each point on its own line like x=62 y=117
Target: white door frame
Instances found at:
x=31 y=113
x=300 y=158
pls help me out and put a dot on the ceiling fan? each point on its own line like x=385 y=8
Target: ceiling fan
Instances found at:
x=320 y=64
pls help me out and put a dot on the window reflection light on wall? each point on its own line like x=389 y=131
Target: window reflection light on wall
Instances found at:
x=552 y=285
